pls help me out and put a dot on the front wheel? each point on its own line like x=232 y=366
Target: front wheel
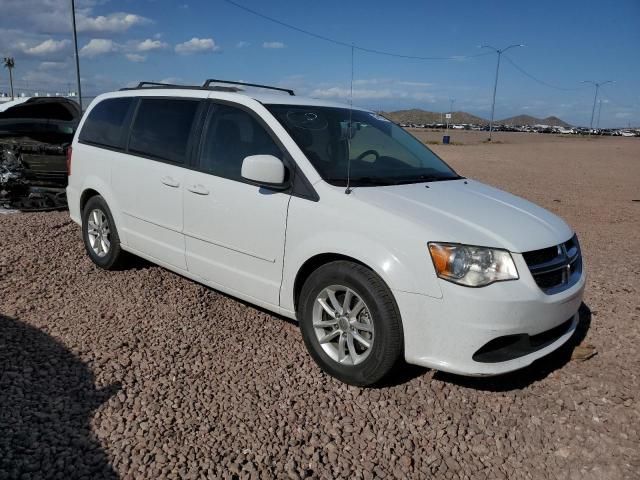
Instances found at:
x=350 y=323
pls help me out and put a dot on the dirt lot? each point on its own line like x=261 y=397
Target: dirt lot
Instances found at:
x=141 y=373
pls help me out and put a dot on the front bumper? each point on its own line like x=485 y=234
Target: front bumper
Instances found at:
x=445 y=333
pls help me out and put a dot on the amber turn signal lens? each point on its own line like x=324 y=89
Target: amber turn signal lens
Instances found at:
x=440 y=255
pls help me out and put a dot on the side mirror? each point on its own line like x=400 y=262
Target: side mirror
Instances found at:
x=264 y=170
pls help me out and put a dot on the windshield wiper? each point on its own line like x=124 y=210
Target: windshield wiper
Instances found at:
x=425 y=179
x=361 y=181
x=385 y=181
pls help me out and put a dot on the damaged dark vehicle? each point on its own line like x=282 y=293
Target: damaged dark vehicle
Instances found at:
x=34 y=137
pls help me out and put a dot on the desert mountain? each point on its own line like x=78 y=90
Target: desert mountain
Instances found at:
x=529 y=120
x=418 y=116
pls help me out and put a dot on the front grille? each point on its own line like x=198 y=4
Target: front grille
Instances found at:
x=556 y=268
x=540 y=256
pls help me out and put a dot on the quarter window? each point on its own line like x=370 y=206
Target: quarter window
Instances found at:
x=232 y=135
x=162 y=127
x=104 y=124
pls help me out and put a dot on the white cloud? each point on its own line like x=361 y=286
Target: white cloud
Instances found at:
x=48 y=47
x=242 y=44
x=135 y=57
x=173 y=80
x=98 y=46
x=343 y=93
x=197 y=45
x=273 y=45
x=370 y=94
x=114 y=22
x=148 y=45
x=52 y=65
x=416 y=84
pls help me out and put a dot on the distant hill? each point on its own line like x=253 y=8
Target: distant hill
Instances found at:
x=418 y=116
x=529 y=120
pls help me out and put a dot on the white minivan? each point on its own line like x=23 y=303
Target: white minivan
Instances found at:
x=329 y=215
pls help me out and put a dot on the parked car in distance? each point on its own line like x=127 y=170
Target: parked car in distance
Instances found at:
x=332 y=216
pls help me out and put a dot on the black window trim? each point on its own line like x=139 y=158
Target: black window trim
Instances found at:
x=299 y=185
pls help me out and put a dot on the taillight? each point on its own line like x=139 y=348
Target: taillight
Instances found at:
x=69 y=150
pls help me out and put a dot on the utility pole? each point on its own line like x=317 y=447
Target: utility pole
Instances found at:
x=9 y=62
x=595 y=97
x=599 y=110
x=75 y=45
x=499 y=51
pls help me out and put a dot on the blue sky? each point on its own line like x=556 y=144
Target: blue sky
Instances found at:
x=125 y=41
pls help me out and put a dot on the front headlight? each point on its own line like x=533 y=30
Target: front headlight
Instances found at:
x=472 y=266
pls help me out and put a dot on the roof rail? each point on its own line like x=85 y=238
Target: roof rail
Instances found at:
x=207 y=84
x=157 y=85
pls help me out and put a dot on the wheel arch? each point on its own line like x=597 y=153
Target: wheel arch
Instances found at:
x=315 y=262
x=85 y=196
x=95 y=186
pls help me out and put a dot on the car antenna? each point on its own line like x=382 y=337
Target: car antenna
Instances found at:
x=348 y=189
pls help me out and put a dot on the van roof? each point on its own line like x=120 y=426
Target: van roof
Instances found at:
x=228 y=89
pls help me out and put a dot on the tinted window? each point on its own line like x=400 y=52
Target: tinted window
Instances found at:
x=104 y=123
x=161 y=128
x=230 y=136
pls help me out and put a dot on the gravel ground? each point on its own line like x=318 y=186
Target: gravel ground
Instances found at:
x=141 y=373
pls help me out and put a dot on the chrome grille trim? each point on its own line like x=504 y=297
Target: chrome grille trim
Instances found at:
x=558 y=273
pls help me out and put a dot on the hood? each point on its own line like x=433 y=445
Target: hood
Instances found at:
x=43 y=108
x=51 y=120
x=469 y=212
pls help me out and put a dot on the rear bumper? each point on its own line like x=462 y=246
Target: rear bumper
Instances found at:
x=449 y=333
x=73 y=200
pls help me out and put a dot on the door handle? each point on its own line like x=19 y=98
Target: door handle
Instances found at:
x=170 y=182
x=198 y=189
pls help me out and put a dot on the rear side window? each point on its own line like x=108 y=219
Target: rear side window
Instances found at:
x=162 y=127
x=104 y=124
x=231 y=135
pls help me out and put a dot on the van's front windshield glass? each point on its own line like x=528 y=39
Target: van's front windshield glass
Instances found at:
x=380 y=152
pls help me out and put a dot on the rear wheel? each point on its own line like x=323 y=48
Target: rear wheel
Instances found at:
x=350 y=323
x=100 y=235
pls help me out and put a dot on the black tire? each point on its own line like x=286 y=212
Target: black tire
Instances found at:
x=387 y=348
x=114 y=256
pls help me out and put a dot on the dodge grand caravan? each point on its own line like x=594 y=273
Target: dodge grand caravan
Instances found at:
x=329 y=215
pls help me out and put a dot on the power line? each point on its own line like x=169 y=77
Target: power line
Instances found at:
x=346 y=44
x=536 y=79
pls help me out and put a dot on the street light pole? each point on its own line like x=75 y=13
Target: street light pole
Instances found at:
x=499 y=51
x=9 y=62
x=75 y=44
x=595 y=97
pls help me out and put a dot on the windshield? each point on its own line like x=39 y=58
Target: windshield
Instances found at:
x=381 y=153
